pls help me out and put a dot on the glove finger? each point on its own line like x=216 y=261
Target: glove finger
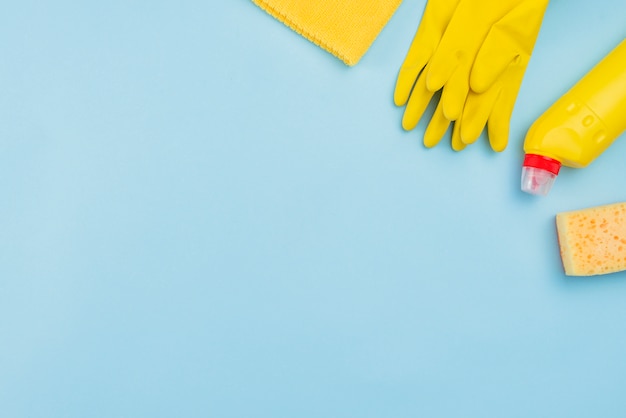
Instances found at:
x=491 y=62
x=444 y=68
x=415 y=61
x=417 y=104
x=502 y=109
x=498 y=130
x=437 y=127
x=457 y=144
x=446 y=58
x=404 y=84
x=510 y=41
x=476 y=113
x=435 y=19
x=500 y=120
x=454 y=95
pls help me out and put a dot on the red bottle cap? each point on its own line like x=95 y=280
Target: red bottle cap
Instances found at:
x=543 y=163
x=539 y=173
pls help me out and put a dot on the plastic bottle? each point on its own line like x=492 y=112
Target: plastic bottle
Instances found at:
x=579 y=126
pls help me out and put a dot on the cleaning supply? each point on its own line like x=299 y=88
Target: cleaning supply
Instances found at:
x=437 y=14
x=345 y=28
x=475 y=52
x=579 y=126
x=497 y=75
x=411 y=89
x=593 y=241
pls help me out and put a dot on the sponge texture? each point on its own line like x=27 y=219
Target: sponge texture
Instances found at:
x=593 y=240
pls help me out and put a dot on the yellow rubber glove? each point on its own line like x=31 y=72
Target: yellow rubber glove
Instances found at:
x=497 y=75
x=460 y=30
x=411 y=83
x=452 y=62
x=442 y=53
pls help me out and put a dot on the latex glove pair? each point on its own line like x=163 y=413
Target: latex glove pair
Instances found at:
x=476 y=53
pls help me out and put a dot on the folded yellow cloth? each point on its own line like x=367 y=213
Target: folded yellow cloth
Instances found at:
x=345 y=28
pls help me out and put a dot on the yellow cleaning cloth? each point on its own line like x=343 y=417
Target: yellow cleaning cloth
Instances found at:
x=345 y=28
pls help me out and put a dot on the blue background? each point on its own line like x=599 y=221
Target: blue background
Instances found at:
x=202 y=214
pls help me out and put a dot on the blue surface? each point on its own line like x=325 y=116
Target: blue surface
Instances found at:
x=205 y=215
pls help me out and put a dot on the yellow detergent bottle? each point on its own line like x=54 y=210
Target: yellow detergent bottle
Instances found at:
x=579 y=126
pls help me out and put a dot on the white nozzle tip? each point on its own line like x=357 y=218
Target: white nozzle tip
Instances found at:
x=537 y=181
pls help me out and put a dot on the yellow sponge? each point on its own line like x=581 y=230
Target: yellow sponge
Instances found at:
x=593 y=240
